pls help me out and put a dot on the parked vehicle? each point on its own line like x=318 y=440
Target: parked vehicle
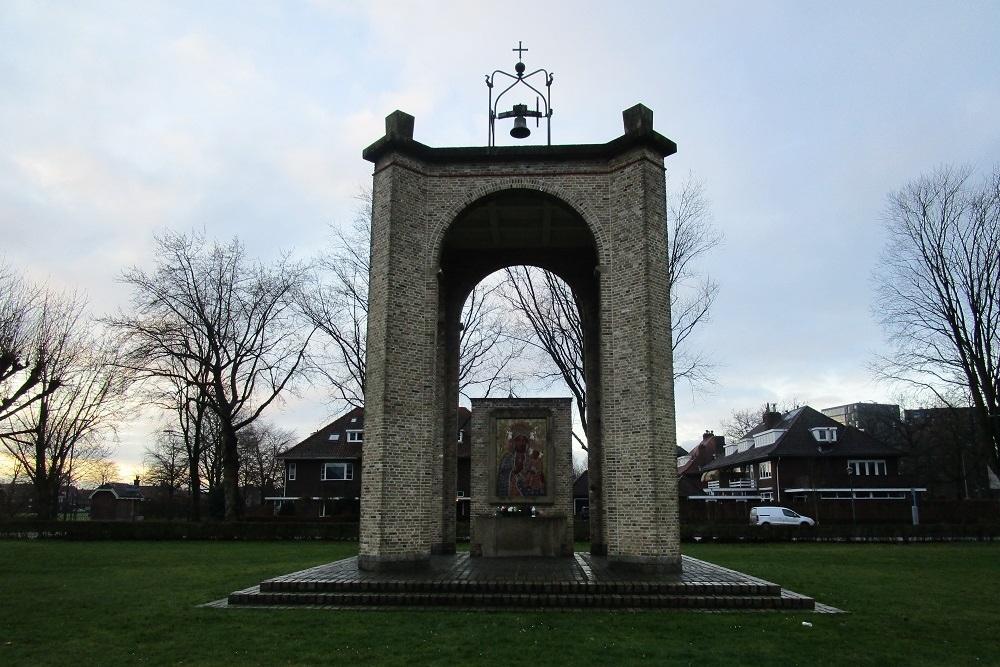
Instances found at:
x=778 y=516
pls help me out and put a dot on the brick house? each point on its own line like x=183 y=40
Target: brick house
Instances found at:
x=689 y=464
x=804 y=456
x=322 y=474
x=116 y=501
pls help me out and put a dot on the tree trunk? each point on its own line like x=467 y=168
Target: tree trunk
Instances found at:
x=230 y=471
x=47 y=507
x=194 y=485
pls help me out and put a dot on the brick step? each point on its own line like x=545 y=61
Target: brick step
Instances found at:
x=468 y=600
x=518 y=588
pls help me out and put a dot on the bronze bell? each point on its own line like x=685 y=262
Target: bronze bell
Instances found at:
x=520 y=129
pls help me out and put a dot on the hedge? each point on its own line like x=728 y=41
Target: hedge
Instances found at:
x=348 y=530
x=180 y=530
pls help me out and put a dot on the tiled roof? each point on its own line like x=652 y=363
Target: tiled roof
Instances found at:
x=121 y=491
x=702 y=453
x=798 y=442
x=330 y=442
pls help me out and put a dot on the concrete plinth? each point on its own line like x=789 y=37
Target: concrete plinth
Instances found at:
x=505 y=536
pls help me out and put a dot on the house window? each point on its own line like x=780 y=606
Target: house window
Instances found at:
x=334 y=436
x=825 y=434
x=461 y=436
x=867 y=467
x=337 y=472
x=766 y=495
x=291 y=472
x=354 y=436
x=765 y=470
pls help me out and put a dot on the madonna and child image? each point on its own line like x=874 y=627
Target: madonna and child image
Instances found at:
x=521 y=458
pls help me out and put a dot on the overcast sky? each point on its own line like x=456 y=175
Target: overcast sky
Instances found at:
x=121 y=119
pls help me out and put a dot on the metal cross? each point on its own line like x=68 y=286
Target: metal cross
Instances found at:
x=519 y=49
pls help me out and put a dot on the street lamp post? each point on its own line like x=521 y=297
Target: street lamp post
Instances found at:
x=850 y=478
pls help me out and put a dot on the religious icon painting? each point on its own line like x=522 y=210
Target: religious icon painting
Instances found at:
x=521 y=460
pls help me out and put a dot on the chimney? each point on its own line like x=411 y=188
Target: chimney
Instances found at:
x=706 y=435
x=771 y=416
x=136 y=483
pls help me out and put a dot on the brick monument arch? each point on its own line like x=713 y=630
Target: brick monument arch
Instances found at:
x=444 y=218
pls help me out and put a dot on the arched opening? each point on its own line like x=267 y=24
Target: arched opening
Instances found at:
x=512 y=228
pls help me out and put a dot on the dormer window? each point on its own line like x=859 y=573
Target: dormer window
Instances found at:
x=824 y=434
x=355 y=436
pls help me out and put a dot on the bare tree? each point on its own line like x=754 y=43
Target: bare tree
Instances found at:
x=187 y=435
x=690 y=235
x=552 y=324
x=336 y=302
x=553 y=314
x=740 y=422
x=489 y=354
x=743 y=420
x=22 y=310
x=260 y=445
x=938 y=292
x=50 y=434
x=211 y=461
x=166 y=464
x=210 y=319
x=12 y=501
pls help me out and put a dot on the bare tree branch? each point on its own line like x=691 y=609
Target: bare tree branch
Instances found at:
x=209 y=319
x=552 y=313
x=938 y=292
x=82 y=397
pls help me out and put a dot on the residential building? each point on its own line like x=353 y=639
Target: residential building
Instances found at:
x=322 y=474
x=691 y=481
x=806 y=456
x=116 y=501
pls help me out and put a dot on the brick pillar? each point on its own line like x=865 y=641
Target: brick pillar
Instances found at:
x=639 y=474
x=402 y=480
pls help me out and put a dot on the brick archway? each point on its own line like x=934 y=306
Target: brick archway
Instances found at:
x=443 y=219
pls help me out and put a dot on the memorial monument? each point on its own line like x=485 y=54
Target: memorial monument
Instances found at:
x=445 y=218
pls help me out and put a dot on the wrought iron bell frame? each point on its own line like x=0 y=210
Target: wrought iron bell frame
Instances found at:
x=521 y=111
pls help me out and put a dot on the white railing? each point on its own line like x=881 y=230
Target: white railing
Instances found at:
x=714 y=486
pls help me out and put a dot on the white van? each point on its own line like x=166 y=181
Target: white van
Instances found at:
x=766 y=516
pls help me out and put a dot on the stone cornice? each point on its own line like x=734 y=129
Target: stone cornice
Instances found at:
x=639 y=134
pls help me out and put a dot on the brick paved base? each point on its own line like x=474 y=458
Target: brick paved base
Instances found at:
x=582 y=581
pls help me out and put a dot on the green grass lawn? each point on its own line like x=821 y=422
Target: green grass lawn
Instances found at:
x=125 y=603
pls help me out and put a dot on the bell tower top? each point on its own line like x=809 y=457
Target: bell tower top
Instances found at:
x=520 y=112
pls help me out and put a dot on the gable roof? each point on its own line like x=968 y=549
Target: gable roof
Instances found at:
x=330 y=442
x=120 y=491
x=702 y=453
x=797 y=441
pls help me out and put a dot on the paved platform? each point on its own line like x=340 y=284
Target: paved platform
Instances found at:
x=579 y=582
